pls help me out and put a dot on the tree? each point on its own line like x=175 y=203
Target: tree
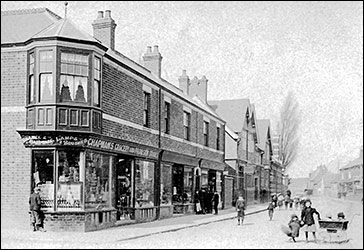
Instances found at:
x=288 y=131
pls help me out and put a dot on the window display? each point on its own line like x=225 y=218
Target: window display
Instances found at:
x=144 y=183
x=69 y=184
x=166 y=184
x=187 y=185
x=97 y=184
x=42 y=176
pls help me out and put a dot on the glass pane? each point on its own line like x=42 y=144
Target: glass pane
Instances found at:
x=78 y=69
x=42 y=176
x=177 y=184
x=97 y=180
x=64 y=57
x=84 y=70
x=70 y=69
x=96 y=93
x=78 y=59
x=65 y=92
x=46 y=88
x=71 y=58
x=31 y=89
x=144 y=183
x=31 y=58
x=166 y=185
x=187 y=184
x=69 y=196
x=81 y=89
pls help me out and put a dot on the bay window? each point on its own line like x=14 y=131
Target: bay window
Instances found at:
x=97 y=79
x=31 y=77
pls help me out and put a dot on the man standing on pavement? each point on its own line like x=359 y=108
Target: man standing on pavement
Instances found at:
x=34 y=206
x=215 y=201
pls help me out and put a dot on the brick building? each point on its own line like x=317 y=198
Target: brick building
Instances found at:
x=107 y=140
x=350 y=183
x=248 y=149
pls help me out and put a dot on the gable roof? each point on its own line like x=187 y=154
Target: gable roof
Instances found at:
x=263 y=126
x=232 y=111
x=18 y=26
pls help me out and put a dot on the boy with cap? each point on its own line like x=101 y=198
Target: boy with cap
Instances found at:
x=34 y=207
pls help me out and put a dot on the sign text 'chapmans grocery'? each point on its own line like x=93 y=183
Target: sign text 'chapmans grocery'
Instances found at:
x=39 y=140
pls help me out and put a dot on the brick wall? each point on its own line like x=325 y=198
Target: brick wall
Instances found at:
x=15 y=158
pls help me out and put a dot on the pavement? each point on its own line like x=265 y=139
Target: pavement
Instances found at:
x=126 y=232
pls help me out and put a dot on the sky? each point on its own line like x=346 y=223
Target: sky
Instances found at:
x=255 y=50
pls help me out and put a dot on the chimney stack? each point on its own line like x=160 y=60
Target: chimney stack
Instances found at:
x=152 y=60
x=104 y=29
x=199 y=87
x=184 y=82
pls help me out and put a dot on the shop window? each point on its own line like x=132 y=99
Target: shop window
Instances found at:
x=97 y=80
x=186 y=125
x=74 y=75
x=187 y=184
x=146 y=109
x=167 y=115
x=204 y=178
x=69 y=188
x=42 y=176
x=166 y=184
x=124 y=199
x=31 y=78
x=144 y=183
x=97 y=184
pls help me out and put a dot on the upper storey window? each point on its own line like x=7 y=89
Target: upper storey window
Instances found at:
x=31 y=78
x=74 y=76
x=46 y=76
x=97 y=79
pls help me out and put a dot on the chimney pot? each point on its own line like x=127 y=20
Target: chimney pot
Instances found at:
x=100 y=14
x=107 y=13
x=156 y=50
x=149 y=49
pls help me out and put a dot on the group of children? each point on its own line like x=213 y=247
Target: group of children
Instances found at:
x=307 y=221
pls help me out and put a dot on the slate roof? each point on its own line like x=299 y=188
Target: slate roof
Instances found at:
x=262 y=130
x=356 y=162
x=67 y=29
x=18 y=26
x=232 y=111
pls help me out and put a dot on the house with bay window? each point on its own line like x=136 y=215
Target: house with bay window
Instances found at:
x=106 y=139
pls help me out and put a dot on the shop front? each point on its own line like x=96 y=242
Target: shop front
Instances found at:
x=178 y=182
x=90 y=182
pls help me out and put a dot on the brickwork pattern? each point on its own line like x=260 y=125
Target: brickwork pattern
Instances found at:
x=13 y=78
x=15 y=170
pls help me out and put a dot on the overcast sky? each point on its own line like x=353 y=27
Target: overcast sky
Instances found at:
x=255 y=50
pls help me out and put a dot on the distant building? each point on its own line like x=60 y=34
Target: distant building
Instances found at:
x=298 y=185
x=351 y=179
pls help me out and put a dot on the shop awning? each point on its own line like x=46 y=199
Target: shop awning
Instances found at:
x=215 y=165
x=172 y=157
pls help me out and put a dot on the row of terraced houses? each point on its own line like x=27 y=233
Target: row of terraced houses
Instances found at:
x=110 y=142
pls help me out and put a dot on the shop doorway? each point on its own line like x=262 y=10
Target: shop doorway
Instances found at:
x=124 y=189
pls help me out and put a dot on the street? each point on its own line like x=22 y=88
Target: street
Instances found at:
x=257 y=232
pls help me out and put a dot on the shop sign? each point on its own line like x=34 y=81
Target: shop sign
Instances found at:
x=37 y=140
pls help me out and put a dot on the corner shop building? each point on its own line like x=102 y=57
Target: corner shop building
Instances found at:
x=107 y=140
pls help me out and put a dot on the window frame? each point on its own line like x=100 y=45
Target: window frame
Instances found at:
x=47 y=71
x=217 y=138
x=146 y=109
x=98 y=81
x=206 y=125
x=167 y=117
x=186 y=125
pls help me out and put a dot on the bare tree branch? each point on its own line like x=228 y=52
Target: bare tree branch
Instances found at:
x=288 y=128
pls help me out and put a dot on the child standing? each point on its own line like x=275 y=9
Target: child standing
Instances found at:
x=307 y=217
x=240 y=208
x=270 y=210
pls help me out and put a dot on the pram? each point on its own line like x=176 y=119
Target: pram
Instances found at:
x=334 y=231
